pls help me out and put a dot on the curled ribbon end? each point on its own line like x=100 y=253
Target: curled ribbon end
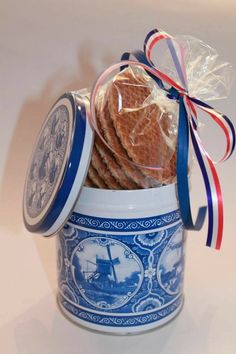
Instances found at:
x=201 y=216
x=217 y=247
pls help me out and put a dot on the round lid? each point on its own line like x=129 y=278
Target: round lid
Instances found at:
x=58 y=166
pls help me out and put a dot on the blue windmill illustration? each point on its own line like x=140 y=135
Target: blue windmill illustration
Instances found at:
x=171 y=265
x=105 y=271
x=101 y=274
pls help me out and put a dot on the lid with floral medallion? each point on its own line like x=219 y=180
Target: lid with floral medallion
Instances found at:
x=58 y=165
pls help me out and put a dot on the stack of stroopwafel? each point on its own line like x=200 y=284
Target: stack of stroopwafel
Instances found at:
x=136 y=132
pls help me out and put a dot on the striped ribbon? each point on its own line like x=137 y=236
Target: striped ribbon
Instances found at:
x=187 y=127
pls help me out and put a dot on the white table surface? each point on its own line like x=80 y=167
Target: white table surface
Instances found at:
x=48 y=47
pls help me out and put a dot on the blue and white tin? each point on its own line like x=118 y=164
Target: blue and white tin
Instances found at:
x=120 y=253
x=121 y=260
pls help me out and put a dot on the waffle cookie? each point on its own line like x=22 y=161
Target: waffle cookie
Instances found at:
x=95 y=178
x=103 y=171
x=116 y=170
x=137 y=134
x=142 y=128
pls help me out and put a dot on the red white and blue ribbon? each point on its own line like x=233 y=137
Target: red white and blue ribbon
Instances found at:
x=187 y=126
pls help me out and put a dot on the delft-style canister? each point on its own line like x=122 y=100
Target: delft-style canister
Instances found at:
x=120 y=254
x=121 y=260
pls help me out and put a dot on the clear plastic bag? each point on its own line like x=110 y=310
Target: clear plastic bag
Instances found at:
x=137 y=123
x=209 y=78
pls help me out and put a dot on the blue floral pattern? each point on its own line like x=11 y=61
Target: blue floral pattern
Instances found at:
x=48 y=159
x=125 y=321
x=124 y=225
x=122 y=279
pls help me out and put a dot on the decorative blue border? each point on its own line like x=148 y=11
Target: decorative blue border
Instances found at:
x=121 y=321
x=71 y=168
x=124 y=225
x=56 y=207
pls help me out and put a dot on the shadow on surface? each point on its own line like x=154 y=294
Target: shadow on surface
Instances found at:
x=43 y=329
x=31 y=117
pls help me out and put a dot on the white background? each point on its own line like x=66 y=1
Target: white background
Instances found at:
x=48 y=47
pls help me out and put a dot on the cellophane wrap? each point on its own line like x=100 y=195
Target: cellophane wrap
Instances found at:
x=137 y=121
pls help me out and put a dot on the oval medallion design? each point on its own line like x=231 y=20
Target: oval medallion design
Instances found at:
x=171 y=264
x=49 y=159
x=106 y=272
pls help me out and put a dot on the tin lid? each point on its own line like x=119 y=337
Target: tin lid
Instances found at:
x=58 y=166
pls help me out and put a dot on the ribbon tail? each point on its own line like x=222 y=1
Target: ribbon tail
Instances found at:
x=182 y=174
x=214 y=196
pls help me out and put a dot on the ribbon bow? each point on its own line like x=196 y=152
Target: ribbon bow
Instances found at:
x=187 y=126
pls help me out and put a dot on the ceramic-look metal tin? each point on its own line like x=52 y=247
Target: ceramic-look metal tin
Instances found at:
x=121 y=260
x=120 y=253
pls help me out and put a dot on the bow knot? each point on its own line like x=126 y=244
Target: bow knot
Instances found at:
x=174 y=94
x=188 y=127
